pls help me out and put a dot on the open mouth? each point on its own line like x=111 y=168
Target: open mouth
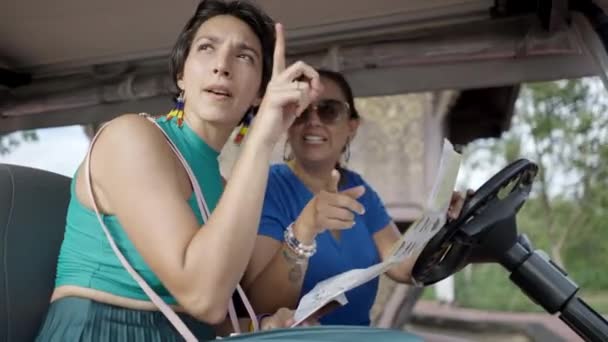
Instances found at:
x=314 y=139
x=218 y=91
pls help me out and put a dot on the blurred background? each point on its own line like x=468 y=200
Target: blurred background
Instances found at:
x=500 y=79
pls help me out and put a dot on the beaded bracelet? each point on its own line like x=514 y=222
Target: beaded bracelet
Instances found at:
x=301 y=250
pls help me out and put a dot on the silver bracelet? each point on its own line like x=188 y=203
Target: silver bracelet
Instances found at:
x=298 y=248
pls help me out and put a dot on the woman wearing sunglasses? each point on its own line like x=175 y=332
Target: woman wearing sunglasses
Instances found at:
x=319 y=218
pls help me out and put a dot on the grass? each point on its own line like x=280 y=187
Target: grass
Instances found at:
x=488 y=287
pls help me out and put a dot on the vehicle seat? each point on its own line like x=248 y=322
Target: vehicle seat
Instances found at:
x=33 y=206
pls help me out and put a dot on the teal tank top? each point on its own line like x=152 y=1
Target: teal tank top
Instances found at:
x=86 y=258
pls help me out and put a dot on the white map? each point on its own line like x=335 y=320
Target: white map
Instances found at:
x=413 y=241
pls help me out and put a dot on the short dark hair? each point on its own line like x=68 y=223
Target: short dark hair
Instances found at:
x=259 y=22
x=342 y=83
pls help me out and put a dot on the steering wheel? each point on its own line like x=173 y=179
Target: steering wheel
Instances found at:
x=456 y=243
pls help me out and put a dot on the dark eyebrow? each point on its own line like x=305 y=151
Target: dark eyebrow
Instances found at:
x=213 y=39
x=240 y=46
x=247 y=47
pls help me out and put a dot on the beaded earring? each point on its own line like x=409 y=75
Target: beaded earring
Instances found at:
x=178 y=111
x=238 y=139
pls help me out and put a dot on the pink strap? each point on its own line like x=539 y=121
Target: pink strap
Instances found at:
x=205 y=213
x=204 y=209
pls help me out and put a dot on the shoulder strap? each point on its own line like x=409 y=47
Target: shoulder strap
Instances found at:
x=205 y=213
x=160 y=304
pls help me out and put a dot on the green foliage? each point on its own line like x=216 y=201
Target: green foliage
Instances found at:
x=563 y=127
x=489 y=288
x=9 y=142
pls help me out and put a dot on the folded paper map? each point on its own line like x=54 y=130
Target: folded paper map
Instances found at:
x=332 y=290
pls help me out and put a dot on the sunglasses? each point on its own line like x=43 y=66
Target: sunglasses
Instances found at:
x=329 y=111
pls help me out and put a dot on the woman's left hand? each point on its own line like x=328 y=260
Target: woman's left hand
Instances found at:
x=456 y=204
x=283 y=318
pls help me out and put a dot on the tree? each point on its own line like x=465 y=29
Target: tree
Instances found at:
x=563 y=127
x=8 y=142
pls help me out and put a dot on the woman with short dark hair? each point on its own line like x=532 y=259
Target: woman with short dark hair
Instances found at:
x=151 y=191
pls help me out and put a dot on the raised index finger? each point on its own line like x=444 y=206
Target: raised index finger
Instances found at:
x=332 y=185
x=278 y=64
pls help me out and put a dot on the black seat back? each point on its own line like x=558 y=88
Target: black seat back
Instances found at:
x=33 y=206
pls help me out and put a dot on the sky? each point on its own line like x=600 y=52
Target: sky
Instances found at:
x=59 y=150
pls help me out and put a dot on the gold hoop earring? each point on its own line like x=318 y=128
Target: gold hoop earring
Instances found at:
x=346 y=153
x=287 y=155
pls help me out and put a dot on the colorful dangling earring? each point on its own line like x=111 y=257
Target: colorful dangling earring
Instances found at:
x=238 y=139
x=178 y=111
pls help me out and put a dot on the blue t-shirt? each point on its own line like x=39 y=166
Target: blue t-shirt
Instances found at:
x=286 y=197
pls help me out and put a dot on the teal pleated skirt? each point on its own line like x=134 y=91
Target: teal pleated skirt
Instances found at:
x=80 y=319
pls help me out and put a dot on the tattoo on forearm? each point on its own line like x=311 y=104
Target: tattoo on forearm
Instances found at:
x=295 y=274
x=295 y=271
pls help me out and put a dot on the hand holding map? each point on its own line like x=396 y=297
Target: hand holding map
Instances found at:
x=333 y=289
